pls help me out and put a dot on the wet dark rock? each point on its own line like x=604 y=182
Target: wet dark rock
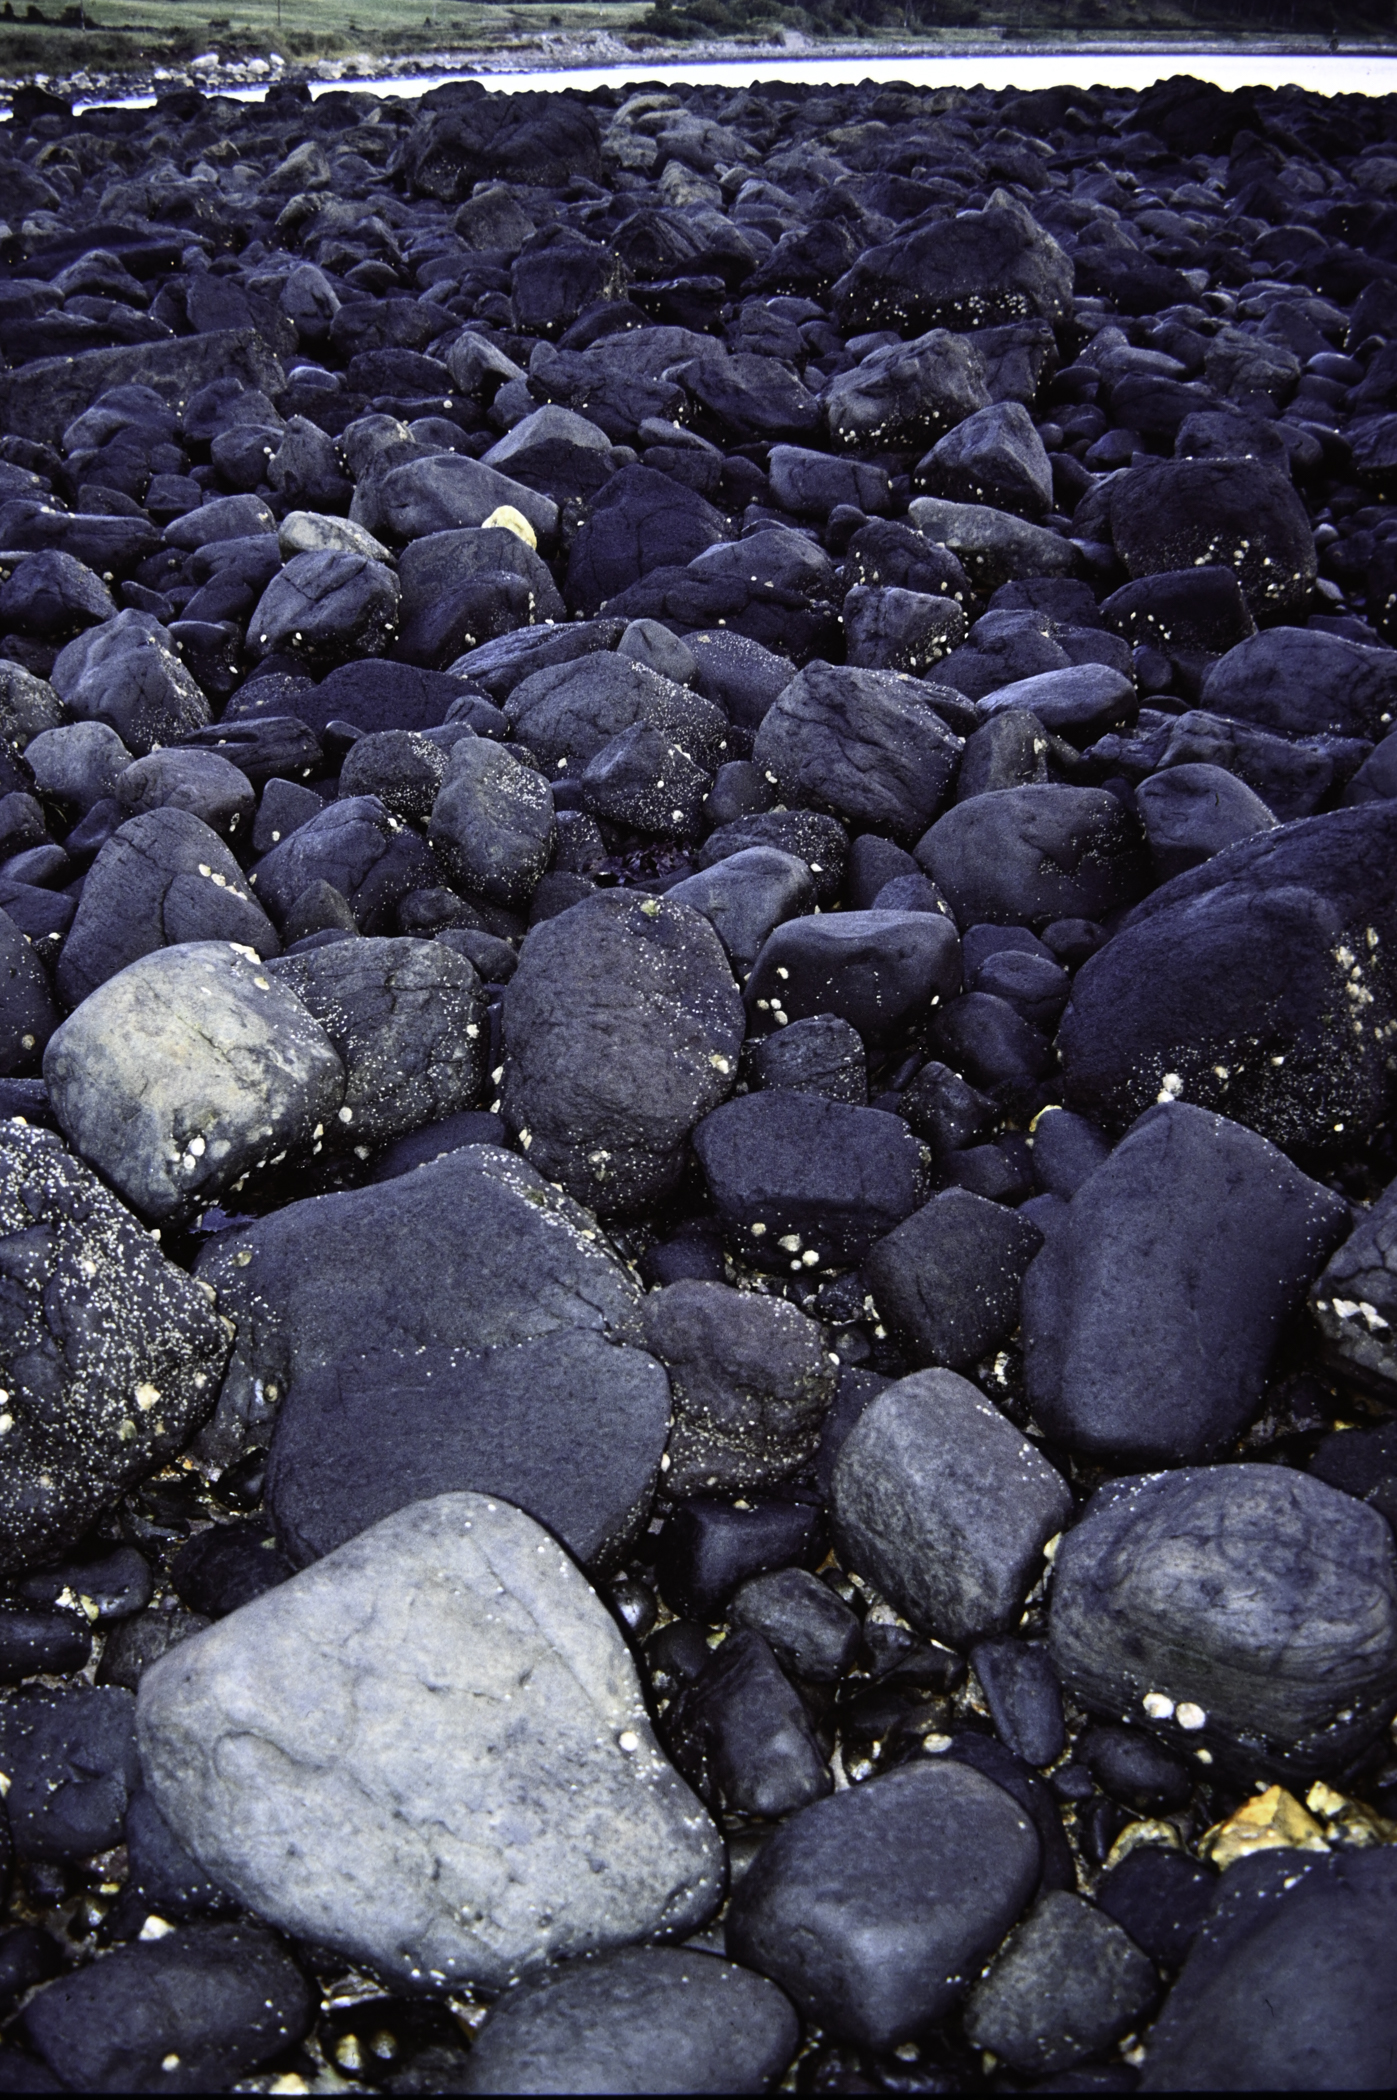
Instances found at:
x=1237 y=514
x=1134 y=1769
x=820 y=1055
x=72 y=1760
x=812 y=1633
x=710 y=1547
x=750 y=1384
x=1024 y=1697
x=471 y=1251
x=1161 y=1898
x=225 y=1568
x=880 y=1950
x=881 y=971
x=820 y=841
x=1230 y=982
x=866 y=745
x=132 y=1328
x=646 y=2020
x=1159 y=1229
x=741 y=1736
x=948 y=1279
x=163 y=879
x=1192 y=812
x=745 y=897
x=805 y=1182
x=221 y=1999
x=1027 y=855
x=492 y=823
x=361 y=850
x=976 y=270
x=1064 y=1985
x=566 y=1426
x=1216 y=2028
x=1305 y=683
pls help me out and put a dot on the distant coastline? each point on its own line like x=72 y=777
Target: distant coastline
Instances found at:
x=640 y=55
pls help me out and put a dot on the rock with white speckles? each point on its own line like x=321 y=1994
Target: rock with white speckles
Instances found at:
x=165 y=877
x=430 y=1752
x=1355 y=1300
x=109 y=1355
x=941 y=1503
x=1262 y=984
x=622 y=1030
x=408 y=1019
x=188 y=1070
x=1230 y=513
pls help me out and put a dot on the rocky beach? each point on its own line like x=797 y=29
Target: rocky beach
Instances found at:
x=604 y=1488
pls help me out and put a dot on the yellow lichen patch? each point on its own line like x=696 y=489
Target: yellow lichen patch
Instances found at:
x=508 y=519
x=1269 y=1820
x=1349 y=1822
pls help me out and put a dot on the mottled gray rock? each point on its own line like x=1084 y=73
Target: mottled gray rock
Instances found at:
x=492 y=824
x=568 y=712
x=430 y=1752
x=326 y=606
x=1192 y=812
x=643 y=2020
x=109 y=1354
x=78 y=763
x=1151 y=1316
x=872 y=1907
x=906 y=393
x=162 y=880
x=188 y=1070
x=408 y=1021
x=1065 y=1985
x=622 y=1027
x=1258 y=1598
x=126 y=674
x=370 y=856
x=941 y=1503
x=468 y=1252
x=751 y=1384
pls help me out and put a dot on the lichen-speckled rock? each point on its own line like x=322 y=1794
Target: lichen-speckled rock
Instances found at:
x=186 y=1071
x=431 y=1752
x=622 y=1027
x=109 y=1355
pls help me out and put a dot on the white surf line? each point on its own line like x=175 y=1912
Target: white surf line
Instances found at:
x=1323 y=73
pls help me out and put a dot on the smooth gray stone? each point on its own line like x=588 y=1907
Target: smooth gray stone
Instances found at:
x=430 y=1751
x=941 y=1503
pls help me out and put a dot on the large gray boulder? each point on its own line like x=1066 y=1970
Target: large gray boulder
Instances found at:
x=110 y=1356
x=187 y=1071
x=431 y=1753
x=622 y=1027
x=492 y=823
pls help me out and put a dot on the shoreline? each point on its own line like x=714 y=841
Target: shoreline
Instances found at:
x=598 y=53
